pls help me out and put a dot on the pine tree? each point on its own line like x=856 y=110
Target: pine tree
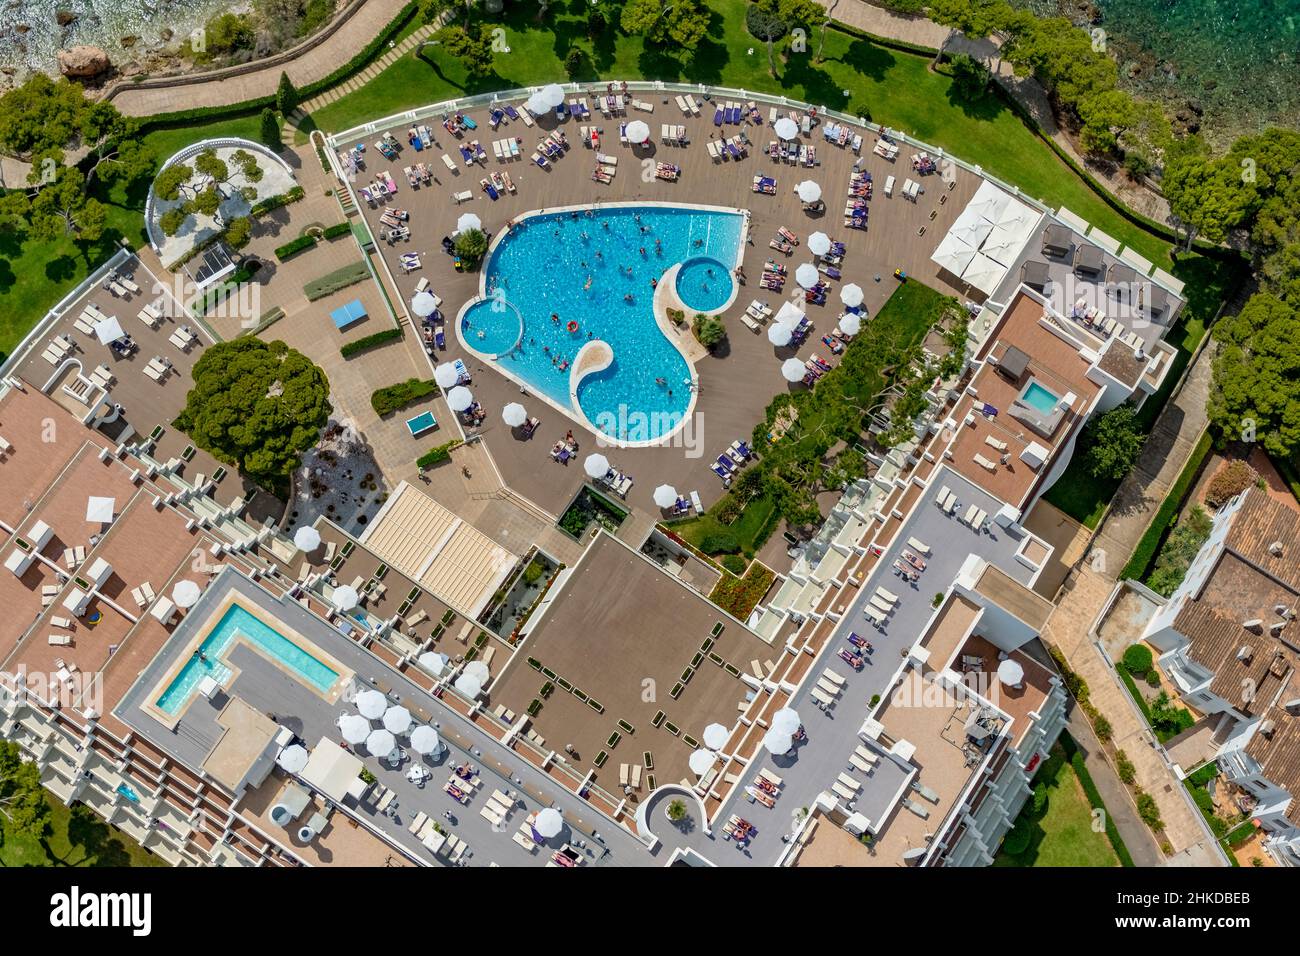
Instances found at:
x=286 y=96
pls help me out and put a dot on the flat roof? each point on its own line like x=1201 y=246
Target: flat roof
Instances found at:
x=432 y=545
x=247 y=732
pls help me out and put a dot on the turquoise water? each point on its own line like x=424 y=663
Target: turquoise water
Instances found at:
x=595 y=269
x=704 y=284
x=237 y=622
x=421 y=423
x=1037 y=397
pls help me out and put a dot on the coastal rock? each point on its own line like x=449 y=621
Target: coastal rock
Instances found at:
x=83 y=60
x=21 y=28
x=129 y=41
x=166 y=34
x=65 y=18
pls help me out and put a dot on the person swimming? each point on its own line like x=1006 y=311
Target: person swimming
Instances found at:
x=555 y=318
x=654 y=283
x=588 y=285
x=661 y=382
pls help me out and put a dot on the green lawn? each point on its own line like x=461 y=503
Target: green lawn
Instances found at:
x=1062 y=835
x=888 y=86
x=75 y=838
x=50 y=270
x=750 y=530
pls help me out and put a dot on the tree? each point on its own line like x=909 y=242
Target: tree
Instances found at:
x=201 y=188
x=680 y=23
x=239 y=231
x=575 y=63
x=270 y=132
x=709 y=330
x=1112 y=442
x=65 y=209
x=1106 y=115
x=258 y=406
x=472 y=45
x=23 y=803
x=1255 y=393
x=471 y=245
x=286 y=95
x=763 y=19
x=1207 y=197
x=970 y=77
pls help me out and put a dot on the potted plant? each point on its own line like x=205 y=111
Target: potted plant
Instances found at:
x=676 y=811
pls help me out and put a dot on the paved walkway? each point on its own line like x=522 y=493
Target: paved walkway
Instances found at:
x=312 y=65
x=1026 y=90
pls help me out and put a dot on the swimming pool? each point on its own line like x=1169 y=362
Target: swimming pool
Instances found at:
x=559 y=280
x=237 y=622
x=1040 y=399
x=704 y=284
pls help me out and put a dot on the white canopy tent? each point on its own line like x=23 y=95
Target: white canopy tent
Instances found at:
x=100 y=510
x=331 y=769
x=953 y=253
x=478 y=671
x=468 y=686
x=984 y=273
x=989 y=202
x=108 y=330
x=789 y=314
x=970 y=228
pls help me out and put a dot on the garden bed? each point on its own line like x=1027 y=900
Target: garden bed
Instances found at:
x=588 y=508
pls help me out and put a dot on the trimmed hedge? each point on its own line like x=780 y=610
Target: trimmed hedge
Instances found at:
x=268 y=319
x=1094 y=798
x=336 y=230
x=369 y=342
x=332 y=282
x=390 y=398
x=275 y=202
x=1145 y=552
x=436 y=456
x=294 y=247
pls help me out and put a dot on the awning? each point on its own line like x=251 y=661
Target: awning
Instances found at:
x=331 y=769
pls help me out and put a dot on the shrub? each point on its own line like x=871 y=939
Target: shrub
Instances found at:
x=369 y=342
x=1124 y=767
x=575 y=63
x=332 y=282
x=336 y=230
x=390 y=398
x=1102 y=728
x=270 y=131
x=1112 y=442
x=1179 y=551
x=1137 y=659
x=1153 y=678
x=275 y=202
x=676 y=811
x=1167 y=718
x=286 y=96
x=734 y=563
x=709 y=330
x=436 y=456
x=719 y=542
x=1149 y=812
x=294 y=247
x=1017 y=839
x=1039 y=799
x=1230 y=480
x=739 y=596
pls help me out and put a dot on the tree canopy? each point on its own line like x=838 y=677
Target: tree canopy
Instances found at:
x=258 y=406
x=471 y=44
x=23 y=803
x=1112 y=442
x=681 y=24
x=202 y=187
x=1256 y=387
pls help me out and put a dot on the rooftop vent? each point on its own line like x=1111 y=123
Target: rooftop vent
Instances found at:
x=1267 y=727
x=1277 y=628
x=1254 y=624
x=1292 y=706
x=1245 y=653
x=1275 y=549
x=1279 y=667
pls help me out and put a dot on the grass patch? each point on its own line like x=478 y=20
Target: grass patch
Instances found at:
x=75 y=837
x=390 y=398
x=749 y=531
x=332 y=282
x=1061 y=834
x=1149 y=544
x=588 y=508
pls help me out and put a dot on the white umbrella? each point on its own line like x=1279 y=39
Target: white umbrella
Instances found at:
x=549 y=823
x=787 y=721
x=715 y=736
x=637 y=131
x=100 y=509
x=468 y=686
x=514 y=414
x=665 y=496
x=424 y=305
x=806 y=275
x=345 y=598
x=851 y=324
x=537 y=103
x=186 y=593
x=433 y=662
x=701 y=761
x=775 y=743
x=809 y=191
x=477 y=670
x=424 y=740
x=397 y=720
x=1011 y=673
x=468 y=221
x=292 y=758
x=108 y=330
x=789 y=314
x=819 y=243
x=460 y=398
x=851 y=295
x=381 y=743
x=596 y=465
x=446 y=375
x=306 y=538
x=792 y=370
x=779 y=334
x=786 y=128
x=371 y=704
x=553 y=93
x=354 y=728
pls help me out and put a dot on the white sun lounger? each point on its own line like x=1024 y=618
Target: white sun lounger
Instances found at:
x=833 y=677
x=821 y=697
x=882 y=606
x=463 y=196
x=873 y=613
x=920 y=546
x=889 y=596
x=446 y=161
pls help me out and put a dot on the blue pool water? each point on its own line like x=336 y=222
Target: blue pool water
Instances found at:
x=237 y=622
x=596 y=270
x=704 y=284
x=421 y=423
x=1039 y=398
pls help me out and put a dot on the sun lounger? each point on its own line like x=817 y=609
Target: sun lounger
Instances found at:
x=884 y=607
x=843 y=791
x=524 y=841
x=771 y=778
x=821 y=697
x=970 y=514
x=875 y=615
x=636 y=776
x=833 y=677
x=827 y=687
x=984 y=462
x=889 y=596
x=995 y=443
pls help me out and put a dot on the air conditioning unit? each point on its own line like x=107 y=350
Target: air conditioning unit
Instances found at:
x=1275 y=549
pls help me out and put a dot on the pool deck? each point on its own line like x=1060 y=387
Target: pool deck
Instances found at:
x=743 y=375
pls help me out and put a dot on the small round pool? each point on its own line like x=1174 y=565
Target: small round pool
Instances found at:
x=492 y=326
x=704 y=284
